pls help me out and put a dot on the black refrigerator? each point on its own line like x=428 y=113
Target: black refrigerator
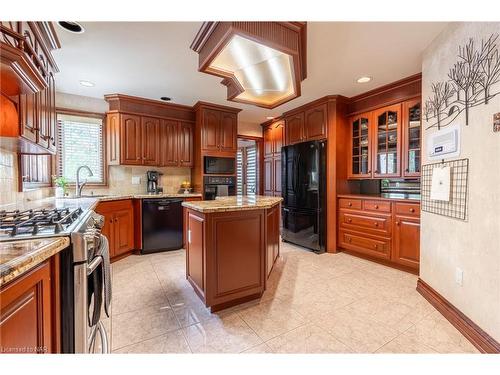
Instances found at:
x=303 y=179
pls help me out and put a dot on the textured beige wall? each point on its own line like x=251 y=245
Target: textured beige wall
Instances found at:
x=472 y=245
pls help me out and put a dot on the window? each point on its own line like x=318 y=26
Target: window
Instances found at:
x=80 y=142
x=246 y=168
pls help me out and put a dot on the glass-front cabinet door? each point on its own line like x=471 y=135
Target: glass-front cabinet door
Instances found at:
x=387 y=141
x=360 y=155
x=412 y=133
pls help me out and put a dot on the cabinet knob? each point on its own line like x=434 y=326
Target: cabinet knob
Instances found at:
x=376 y=206
x=412 y=210
x=397 y=223
x=349 y=220
x=375 y=246
x=111 y=221
x=116 y=220
x=369 y=171
x=407 y=170
x=376 y=224
x=349 y=204
x=349 y=239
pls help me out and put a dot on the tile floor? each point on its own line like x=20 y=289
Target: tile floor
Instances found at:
x=329 y=303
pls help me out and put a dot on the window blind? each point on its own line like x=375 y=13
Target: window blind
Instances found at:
x=251 y=170
x=80 y=142
x=239 y=172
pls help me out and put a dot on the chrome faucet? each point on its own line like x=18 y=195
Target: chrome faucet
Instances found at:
x=78 y=186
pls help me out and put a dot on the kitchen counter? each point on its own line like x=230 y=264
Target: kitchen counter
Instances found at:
x=17 y=257
x=235 y=203
x=89 y=202
x=384 y=196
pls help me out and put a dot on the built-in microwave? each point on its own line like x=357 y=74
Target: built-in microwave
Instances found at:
x=219 y=165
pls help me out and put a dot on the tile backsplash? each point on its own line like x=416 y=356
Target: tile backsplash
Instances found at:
x=119 y=181
x=9 y=190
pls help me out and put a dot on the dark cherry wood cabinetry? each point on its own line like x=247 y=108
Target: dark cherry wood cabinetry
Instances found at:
x=412 y=137
x=274 y=135
x=147 y=132
x=219 y=131
x=118 y=226
x=29 y=309
x=381 y=229
x=273 y=237
x=27 y=81
x=307 y=125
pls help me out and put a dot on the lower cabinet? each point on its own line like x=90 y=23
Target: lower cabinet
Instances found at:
x=273 y=237
x=381 y=229
x=118 y=225
x=28 y=309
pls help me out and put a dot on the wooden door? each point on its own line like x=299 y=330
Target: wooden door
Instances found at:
x=360 y=154
x=195 y=250
x=51 y=114
x=130 y=139
x=268 y=141
x=150 y=141
x=270 y=243
x=26 y=313
x=169 y=143
x=386 y=160
x=43 y=125
x=315 y=123
x=277 y=176
x=228 y=132
x=113 y=138
x=278 y=137
x=210 y=130
x=268 y=176
x=412 y=138
x=27 y=116
x=123 y=228
x=107 y=231
x=276 y=232
x=294 y=129
x=406 y=248
x=185 y=139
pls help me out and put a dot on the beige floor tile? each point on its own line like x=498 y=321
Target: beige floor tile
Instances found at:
x=130 y=299
x=356 y=330
x=271 y=318
x=136 y=326
x=188 y=308
x=229 y=334
x=405 y=344
x=307 y=339
x=259 y=349
x=436 y=332
x=171 y=342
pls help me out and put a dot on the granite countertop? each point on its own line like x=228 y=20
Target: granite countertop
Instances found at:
x=237 y=203
x=89 y=202
x=385 y=196
x=17 y=257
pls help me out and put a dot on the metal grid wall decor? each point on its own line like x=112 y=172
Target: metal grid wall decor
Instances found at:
x=457 y=206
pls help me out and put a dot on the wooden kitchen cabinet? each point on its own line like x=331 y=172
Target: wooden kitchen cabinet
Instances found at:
x=273 y=240
x=219 y=131
x=28 y=309
x=412 y=137
x=274 y=134
x=185 y=144
x=150 y=147
x=130 y=140
x=168 y=143
x=294 y=128
x=381 y=229
x=118 y=226
x=113 y=138
x=268 y=177
x=360 y=151
x=308 y=125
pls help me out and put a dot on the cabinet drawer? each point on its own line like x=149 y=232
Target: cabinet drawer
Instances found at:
x=375 y=224
x=409 y=209
x=379 y=206
x=350 y=203
x=380 y=247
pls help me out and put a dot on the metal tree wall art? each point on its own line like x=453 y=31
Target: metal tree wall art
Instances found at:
x=471 y=81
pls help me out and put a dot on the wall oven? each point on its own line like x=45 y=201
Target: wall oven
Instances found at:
x=219 y=165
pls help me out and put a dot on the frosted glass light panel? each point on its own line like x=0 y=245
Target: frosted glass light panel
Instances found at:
x=265 y=74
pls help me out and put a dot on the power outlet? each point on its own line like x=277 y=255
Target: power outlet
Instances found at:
x=459 y=276
x=136 y=180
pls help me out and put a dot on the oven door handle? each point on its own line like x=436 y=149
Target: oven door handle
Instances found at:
x=104 y=338
x=94 y=264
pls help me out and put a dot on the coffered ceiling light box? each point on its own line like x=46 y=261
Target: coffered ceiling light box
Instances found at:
x=261 y=63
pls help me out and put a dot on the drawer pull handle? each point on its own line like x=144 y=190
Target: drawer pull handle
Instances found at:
x=412 y=210
x=349 y=204
x=376 y=224
x=376 y=206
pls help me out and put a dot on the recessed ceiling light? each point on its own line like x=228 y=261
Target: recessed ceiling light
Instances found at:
x=87 y=83
x=71 y=26
x=269 y=117
x=166 y=98
x=364 y=79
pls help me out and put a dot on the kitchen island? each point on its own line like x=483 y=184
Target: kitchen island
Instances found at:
x=232 y=244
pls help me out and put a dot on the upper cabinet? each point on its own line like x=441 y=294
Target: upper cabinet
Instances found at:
x=274 y=135
x=385 y=143
x=219 y=130
x=412 y=137
x=307 y=125
x=147 y=132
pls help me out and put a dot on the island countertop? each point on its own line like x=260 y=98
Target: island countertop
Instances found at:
x=17 y=257
x=234 y=203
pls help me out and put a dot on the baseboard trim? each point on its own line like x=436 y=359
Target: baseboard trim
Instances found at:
x=480 y=339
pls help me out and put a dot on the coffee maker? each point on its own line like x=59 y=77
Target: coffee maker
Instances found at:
x=153 y=180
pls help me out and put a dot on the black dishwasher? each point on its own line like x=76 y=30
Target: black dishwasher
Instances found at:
x=161 y=224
